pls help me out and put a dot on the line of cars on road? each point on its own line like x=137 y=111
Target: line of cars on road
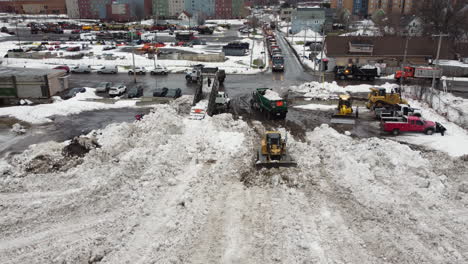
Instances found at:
x=135 y=91
x=113 y=69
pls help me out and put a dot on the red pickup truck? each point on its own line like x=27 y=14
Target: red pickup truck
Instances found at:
x=411 y=124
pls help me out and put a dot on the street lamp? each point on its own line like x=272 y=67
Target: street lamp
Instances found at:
x=133 y=55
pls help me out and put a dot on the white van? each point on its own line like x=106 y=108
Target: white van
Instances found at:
x=81 y=69
x=108 y=69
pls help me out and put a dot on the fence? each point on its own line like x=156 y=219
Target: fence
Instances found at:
x=440 y=102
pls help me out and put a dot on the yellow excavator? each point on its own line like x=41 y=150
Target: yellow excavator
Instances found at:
x=345 y=113
x=272 y=152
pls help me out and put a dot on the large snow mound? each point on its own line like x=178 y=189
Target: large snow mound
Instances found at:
x=329 y=90
x=167 y=189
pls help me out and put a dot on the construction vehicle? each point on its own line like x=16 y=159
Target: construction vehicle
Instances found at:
x=353 y=72
x=397 y=110
x=268 y=101
x=345 y=113
x=419 y=73
x=378 y=98
x=273 y=151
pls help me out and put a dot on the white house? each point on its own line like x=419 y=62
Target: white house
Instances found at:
x=185 y=16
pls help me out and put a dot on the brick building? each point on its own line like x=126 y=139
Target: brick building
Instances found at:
x=34 y=7
x=223 y=8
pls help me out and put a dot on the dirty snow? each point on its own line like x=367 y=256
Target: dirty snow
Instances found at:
x=42 y=113
x=272 y=95
x=321 y=107
x=329 y=90
x=455 y=139
x=171 y=190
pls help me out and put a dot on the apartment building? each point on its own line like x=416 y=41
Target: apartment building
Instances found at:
x=223 y=8
x=392 y=6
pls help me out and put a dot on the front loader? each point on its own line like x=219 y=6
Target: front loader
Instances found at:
x=345 y=113
x=272 y=152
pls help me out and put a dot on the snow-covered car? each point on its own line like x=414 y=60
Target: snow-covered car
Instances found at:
x=138 y=70
x=174 y=93
x=109 y=48
x=62 y=67
x=160 y=92
x=159 y=69
x=103 y=87
x=136 y=91
x=73 y=92
x=81 y=69
x=117 y=89
x=108 y=69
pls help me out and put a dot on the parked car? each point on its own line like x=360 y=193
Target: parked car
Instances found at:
x=117 y=89
x=75 y=48
x=81 y=69
x=73 y=92
x=62 y=67
x=108 y=69
x=159 y=69
x=136 y=91
x=74 y=37
x=138 y=70
x=103 y=87
x=160 y=92
x=174 y=93
x=109 y=47
x=75 y=31
x=4 y=30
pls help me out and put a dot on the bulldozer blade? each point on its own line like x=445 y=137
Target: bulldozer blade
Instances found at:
x=263 y=162
x=339 y=119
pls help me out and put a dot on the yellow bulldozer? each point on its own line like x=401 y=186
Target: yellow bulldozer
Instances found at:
x=272 y=152
x=378 y=97
x=345 y=113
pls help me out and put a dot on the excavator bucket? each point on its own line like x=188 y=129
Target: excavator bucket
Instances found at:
x=263 y=161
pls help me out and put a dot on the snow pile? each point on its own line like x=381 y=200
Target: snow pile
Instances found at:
x=41 y=113
x=454 y=108
x=308 y=33
x=454 y=63
x=320 y=107
x=233 y=22
x=454 y=142
x=169 y=190
x=145 y=178
x=18 y=129
x=272 y=95
x=328 y=90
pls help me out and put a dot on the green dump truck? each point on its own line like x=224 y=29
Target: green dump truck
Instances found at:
x=267 y=101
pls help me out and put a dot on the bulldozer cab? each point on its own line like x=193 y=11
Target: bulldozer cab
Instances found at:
x=382 y=92
x=345 y=100
x=273 y=139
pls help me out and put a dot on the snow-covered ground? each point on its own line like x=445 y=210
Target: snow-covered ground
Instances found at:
x=233 y=64
x=41 y=113
x=172 y=190
x=455 y=141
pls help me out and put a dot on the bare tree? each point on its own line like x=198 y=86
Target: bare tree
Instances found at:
x=449 y=17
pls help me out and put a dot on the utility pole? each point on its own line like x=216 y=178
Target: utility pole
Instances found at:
x=437 y=58
x=133 y=56
x=404 y=63
x=17 y=35
x=155 y=50
x=321 y=56
x=304 y=44
x=251 y=53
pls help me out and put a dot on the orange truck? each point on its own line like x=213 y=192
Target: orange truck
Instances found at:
x=419 y=72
